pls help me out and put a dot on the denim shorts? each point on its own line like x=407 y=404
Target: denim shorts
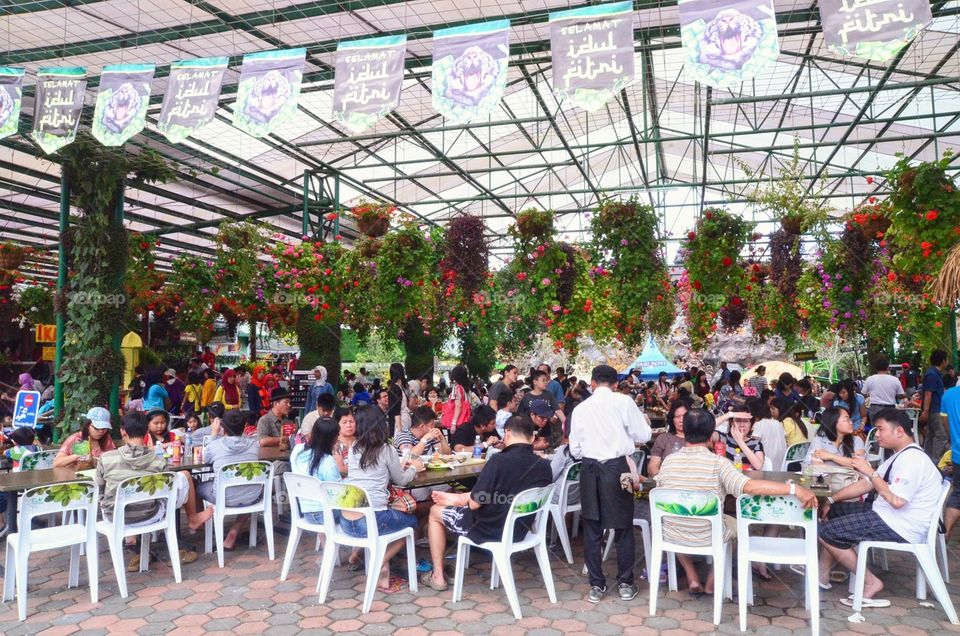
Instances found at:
x=317 y=517
x=388 y=522
x=953 y=501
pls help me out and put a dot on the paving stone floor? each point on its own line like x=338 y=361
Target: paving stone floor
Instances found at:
x=247 y=597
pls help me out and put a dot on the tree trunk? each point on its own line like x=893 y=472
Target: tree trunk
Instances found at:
x=419 y=348
x=319 y=343
x=252 y=340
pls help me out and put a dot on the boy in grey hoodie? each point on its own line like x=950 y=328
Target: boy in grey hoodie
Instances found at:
x=134 y=459
x=229 y=446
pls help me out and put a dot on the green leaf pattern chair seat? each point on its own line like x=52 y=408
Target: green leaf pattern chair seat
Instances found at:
x=41 y=460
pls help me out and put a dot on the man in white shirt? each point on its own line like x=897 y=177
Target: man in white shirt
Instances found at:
x=883 y=389
x=604 y=432
x=907 y=490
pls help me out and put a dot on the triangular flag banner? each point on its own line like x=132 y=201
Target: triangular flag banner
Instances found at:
x=729 y=42
x=11 y=93
x=368 y=79
x=57 y=106
x=592 y=53
x=121 y=110
x=873 y=29
x=269 y=90
x=193 y=92
x=470 y=70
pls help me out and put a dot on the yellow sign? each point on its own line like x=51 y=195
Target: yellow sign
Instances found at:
x=46 y=333
x=49 y=353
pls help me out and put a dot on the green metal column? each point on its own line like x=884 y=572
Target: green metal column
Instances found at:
x=953 y=338
x=61 y=287
x=115 y=382
x=336 y=204
x=306 y=203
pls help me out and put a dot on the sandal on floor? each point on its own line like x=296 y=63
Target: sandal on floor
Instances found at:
x=187 y=556
x=868 y=603
x=698 y=593
x=133 y=565
x=426 y=579
x=396 y=584
x=353 y=566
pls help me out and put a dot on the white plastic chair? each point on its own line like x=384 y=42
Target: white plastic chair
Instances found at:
x=644 y=526
x=158 y=487
x=562 y=507
x=81 y=496
x=874 y=453
x=337 y=496
x=927 y=568
x=778 y=511
x=795 y=453
x=670 y=502
x=235 y=476
x=40 y=460
x=277 y=488
x=531 y=502
x=301 y=488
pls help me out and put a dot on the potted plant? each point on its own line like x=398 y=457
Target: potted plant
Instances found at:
x=534 y=224
x=872 y=219
x=373 y=217
x=11 y=255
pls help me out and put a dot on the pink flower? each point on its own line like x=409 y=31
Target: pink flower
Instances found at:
x=545 y=282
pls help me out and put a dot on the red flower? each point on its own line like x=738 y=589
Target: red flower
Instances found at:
x=932 y=215
x=892 y=276
x=691 y=236
x=727 y=261
x=869 y=180
x=709 y=215
x=522 y=276
x=697 y=285
x=735 y=301
x=861 y=218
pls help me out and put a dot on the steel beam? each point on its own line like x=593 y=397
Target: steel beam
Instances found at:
x=841 y=91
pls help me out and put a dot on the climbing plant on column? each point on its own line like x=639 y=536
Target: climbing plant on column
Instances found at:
x=95 y=304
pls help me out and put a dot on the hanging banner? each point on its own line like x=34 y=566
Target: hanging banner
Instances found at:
x=592 y=53
x=368 y=80
x=57 y=106
x=725 y=45
x=193 y=91
x=11 y=92
x=470 y=70
x=121 y=110
x=268 y=91
x=873 y=29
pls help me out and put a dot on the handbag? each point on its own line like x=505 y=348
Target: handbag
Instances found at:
x=446 y=417
x=401 y=500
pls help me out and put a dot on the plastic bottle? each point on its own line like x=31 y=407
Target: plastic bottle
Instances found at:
x=177 y=447
x=477 y=448
x=158 y=450
x=188 y=446
x=719 y=448
x=738 y=460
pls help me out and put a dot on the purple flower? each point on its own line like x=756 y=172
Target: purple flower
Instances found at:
x=826 y=303
x=846 y=289
x=847 y=314
x=624 y=242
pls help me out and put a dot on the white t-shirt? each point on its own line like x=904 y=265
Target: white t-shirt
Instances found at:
x=916 y=479
x=883 y=389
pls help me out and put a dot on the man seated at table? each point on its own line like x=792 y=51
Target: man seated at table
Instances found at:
x=548 y=430
x=326 y=403
x=270 y=426
x=481 y=513
x=483 y=424
x=696 y=467
x=230 y=446
x=422 y=439
x=907 y=487
x=134 y=459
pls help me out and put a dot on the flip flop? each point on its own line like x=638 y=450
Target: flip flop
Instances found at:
x=396 y=585
x=353 y=566
x=426 y=579
x=825 y=586
x=867 y=602
x=697 y=593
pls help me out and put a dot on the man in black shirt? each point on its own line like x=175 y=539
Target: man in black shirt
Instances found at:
x=481 y=513
x=482 y=423
x=549 y=432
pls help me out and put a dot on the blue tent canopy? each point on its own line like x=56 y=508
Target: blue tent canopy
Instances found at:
x=652 y=363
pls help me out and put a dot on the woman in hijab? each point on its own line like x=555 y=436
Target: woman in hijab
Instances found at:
x=228 y=392
x=26 y=382
x=319 y=387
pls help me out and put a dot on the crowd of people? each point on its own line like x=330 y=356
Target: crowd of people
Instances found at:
x=379 y=434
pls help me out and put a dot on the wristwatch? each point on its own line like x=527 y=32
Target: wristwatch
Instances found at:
x=830 y=500
x=793 y=488
x=875 y=475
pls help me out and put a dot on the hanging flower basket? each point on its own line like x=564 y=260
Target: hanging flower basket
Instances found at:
x=875 y=226
x=374 y=228
x=369 y=248
x=11 y=256
x=792 y=224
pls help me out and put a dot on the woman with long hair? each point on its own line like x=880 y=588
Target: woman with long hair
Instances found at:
x=769 y=431
x=192 y=402
x=398 y=409
x=457 y=409
x=373 y=464
x=835 y=441
x=790 y=416
x=671 y=441
x=318 y=459
x=845 y=396
x=209 y=388
x=731 y=392
x=739 y=436
x=228 y=392
x=702 y=384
